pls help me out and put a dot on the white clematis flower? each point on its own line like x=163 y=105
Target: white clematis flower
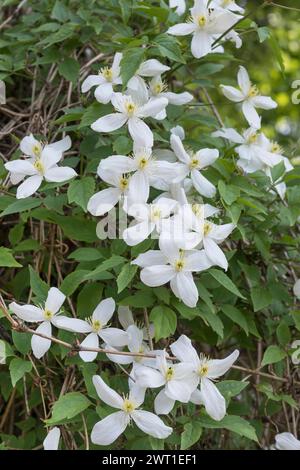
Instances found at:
x=178 y=381
x=206 y=25
x=248 y=95
x=147 y=171
x=171 y=264
x=158 y=89
x=151 y=68
x=103 y=201
x=149 y=219
x=206 y=370
x=45 y=316
x=131 y=110
x=96 y=327
x=192 y=164
x=40 y=163
x=51 y=442
x=227 y=5
x=106 y=431
x=286 y=441
x=105 y=81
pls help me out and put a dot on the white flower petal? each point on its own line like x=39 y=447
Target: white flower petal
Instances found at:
x=103 y=201
x=51 y=442
x=91 y=341
x=151 y=68
x=214 y=253
x=27 y=144
x=197 y=261
x=150 y=258
x=61 y=145
x=140 y=133
x=202 y=185
x=90 y=81
x=178 y=149
x=114 y=337
x=264 y=102
x=104 y=311
x=207 y=157
x=286 y=441
x=230 y=134
x=103 y=93
x=157 y=275
x=147 y=377
x=251 y=114
x=106 y=393
x=109 y=123
x=41 y=345
x=218 y=367
x=116 y=63
x=29 y=186
x=138 y=233
x=55 y=299
x=185 y=351
x=20 y=166
x=201 y=44
x=117 y=163
x=181 y=29
x=244 y=80
x=28 y=313
x=163 y=404
x=233 y=94
x=151 y=424
x=187 y=289
x=59 y=174
x=213 y=401
x=106 y=431
x=139 y=187
x=72 y=324
x=152 y=107
x=178 y=98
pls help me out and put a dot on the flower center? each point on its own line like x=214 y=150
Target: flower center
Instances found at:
x=275 y=147
x=96 y=325
x=179 y=265
x=201 y=20
x=169 y=374
x=207 y=228
x=143 y=162
x=128 y=406
x=203 y=370
x=253 y=91
x=252 y=138
x=196 y=208
x=48 y=314
x=107 y=74
x=130 y=108
x=39 y=166
x=123 y=183
x=155 y=213
x=37 y=149
x=195 y=162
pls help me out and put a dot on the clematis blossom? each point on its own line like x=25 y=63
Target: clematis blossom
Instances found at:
x=192 y=164
x=249 y=97
x=131 y=110
x=46 y=316
x=96 y=327
x=106 y=431
x=206 y=371
x=159 y=89
x=177 y=380
x=107 y=78
x=206 y=25
x=174 y=265
x=40 y=164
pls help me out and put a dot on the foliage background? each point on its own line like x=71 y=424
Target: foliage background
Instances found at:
x=46 y=49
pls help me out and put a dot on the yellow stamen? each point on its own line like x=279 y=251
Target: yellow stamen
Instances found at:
x=96 y=325
x=169 y=374
x=39 y=166
x=155 y=213
x=130 y=108
x=252 y=138
x=207 y=228
x=276 y=148
x=201 y=20
x=107 y=73
x=128 y=406
x=143 y=162
x=253 y=91
x=48 y=314
x=195 y=162
x=123 y=183
x=179 y=265
x=37 y=149
x=203 y=370
x=197 y=209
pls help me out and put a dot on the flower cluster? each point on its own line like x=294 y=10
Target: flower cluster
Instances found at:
x=184 y=377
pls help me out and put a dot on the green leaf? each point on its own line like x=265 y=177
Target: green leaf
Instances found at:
x=18 y=368
x=229 y=193
x=191 y=434
x=272 y=355
x=22 y=341
x=110 y=263
x=126 y=275
x=7 y=260
x=261 y=298
x=21 y=206
x=232 y=423
x=168 y=47
x=80 y=191
x=38 y=286
x=69 y=69
x=283 y=333
x=5 y=351
x=164 y=320
x=236 y=316
x=231 y=388
x=225 y=281
x=67 y=407
x=139 y=300
x=277 y=171
x=85 y=254
x=72 y=281
x=132 y=59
